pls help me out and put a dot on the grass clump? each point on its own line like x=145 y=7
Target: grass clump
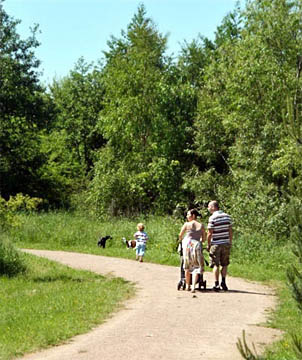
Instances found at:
x=50 y=303
x=11 y=260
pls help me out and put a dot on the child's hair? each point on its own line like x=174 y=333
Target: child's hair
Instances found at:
x=140 y=226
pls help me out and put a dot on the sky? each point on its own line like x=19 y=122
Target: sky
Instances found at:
x=70 y=29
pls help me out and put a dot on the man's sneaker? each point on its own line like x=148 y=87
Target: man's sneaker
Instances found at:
x=216 y=288
x=224 y=287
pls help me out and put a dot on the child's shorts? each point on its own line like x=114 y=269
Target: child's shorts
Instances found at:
x=140 y=248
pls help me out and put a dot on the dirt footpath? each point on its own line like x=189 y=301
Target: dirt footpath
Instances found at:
x=163 y=323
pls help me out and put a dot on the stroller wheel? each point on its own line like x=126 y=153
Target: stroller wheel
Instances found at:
x=179 y=285
x=204 y=284
x=200 y=282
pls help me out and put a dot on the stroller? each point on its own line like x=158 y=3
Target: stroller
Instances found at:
x=182 y=282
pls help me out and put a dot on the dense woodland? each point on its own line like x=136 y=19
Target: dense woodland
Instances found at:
x=142 y=132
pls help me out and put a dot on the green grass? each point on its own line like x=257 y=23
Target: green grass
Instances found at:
x=76 y=232
x=51 y=303
x=254 y=257
x=268 y=263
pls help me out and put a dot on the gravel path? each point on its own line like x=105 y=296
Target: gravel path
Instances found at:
x=163 y=323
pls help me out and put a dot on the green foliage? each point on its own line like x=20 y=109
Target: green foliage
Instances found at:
x=287 y=318
x=78 y=98
x=230 y=28
x=150 y=132
x=256 y=206
x=61 y=171
x=144 y=122
x=242 y=150
x=293 y=121
x=25 y=110
x=6 y=217
x=11 y=262
x=204 y=185
x=122 y=188
x=193 y=59
x=22 y=202
x=294 y=271
x=8 y=209
x=132 y=77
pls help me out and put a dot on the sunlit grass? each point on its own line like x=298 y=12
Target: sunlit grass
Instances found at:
x=51 y=303
x=76 y=232
x=253 y=257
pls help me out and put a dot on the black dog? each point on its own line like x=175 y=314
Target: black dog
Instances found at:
x=102 y=241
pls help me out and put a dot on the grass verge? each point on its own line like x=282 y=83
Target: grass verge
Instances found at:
x=50 y=303
x=269 y=267
x=75 y=232
x=253 y=257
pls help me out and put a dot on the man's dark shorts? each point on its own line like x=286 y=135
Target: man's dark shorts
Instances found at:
x=220 y=255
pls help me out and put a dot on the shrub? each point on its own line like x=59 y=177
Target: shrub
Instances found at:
x=11 y=262
x=8 y=209
x=131 y=187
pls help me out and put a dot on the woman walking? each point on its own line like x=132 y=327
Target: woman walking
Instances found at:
x=192 y=235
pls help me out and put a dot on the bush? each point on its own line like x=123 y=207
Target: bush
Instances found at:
x=131 y=187
x=8 y=209
x=255 y=206
x=11 y=262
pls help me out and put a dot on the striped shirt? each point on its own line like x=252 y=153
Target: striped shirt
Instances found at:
x=141 y=236
x=220 y=222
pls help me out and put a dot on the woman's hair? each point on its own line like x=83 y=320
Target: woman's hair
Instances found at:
x=140 y=226
x=195 y=212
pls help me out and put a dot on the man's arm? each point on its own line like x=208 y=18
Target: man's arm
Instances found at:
x=210 y=236
x=231 y=234
x=203 y=235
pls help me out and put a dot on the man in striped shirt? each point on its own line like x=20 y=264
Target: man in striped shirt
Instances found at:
x=219 y=237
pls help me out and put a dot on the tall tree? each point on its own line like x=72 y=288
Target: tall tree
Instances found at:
x=23 y=109
x=79 y=100
x=193 y=59
x=133 y=73
x=240 y=127
x=230 y=27
x=139 y=168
